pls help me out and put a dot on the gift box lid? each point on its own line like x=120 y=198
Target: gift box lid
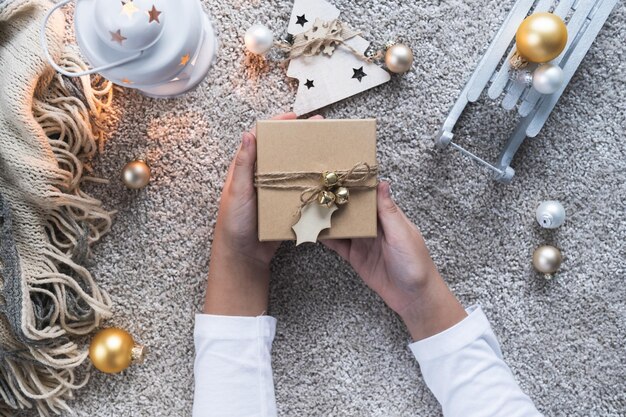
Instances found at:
x=315 y=146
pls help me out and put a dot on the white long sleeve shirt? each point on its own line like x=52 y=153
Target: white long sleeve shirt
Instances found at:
x=462 y=366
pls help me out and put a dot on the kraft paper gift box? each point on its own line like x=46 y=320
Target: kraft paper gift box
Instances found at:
x=315 y=146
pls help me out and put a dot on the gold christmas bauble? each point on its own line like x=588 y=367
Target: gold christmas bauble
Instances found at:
x=541 y=37
x=342 y=195
x=136 y=174
x=330 y=178
x=399 y=58
x=326 y=198
x=547 y=259
x=113 y=350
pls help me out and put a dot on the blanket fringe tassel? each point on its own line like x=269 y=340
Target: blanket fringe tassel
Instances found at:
x=40 y=371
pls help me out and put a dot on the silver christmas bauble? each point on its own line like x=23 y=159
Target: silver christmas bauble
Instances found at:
x=399 y=58
x=550 y=214
x=547 y=259
x=136 y=174
x=547 y=78
x=259 y=39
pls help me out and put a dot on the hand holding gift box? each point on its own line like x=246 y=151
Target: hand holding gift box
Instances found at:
x=305 y=172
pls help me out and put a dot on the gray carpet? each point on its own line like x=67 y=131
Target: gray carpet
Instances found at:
x=338 y=350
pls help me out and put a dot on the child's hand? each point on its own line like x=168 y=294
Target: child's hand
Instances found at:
x=236 y=228
x=239 y=268
x=398 y=267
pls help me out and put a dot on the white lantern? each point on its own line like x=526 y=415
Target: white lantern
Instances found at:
x=163 y=48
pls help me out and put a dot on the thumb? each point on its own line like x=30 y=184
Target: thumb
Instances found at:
x=243 y=165
x=390 y=215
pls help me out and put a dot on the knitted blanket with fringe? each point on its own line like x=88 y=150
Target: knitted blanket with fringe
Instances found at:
x=48 y=132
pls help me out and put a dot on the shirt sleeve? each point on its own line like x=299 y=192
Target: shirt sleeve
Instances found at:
x=463 y=367
x=232 y=369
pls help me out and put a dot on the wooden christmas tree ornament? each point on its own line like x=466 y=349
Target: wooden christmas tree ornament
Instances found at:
x=327 y=57
x=333 y=77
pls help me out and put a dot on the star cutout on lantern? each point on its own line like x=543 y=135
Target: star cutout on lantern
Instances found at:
x=358 y=73
x=129 y=8
x=309 y=84
x=117 y=36
x=301 y=20
x=184 y=59
x=154 y=15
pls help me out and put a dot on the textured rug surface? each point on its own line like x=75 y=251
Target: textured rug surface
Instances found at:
x=339 y=351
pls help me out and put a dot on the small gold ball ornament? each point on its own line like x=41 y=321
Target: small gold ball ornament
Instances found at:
x=330 y=179
x=342 y=195
x=399 y=58
x=136 y=174
x=326 y=198
x=113 y=350
x=541 y=37
x=547 y=259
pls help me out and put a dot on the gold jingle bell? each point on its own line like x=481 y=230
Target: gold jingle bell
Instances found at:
x=136 y=174
x=112 y=350
x=342 y=195
x=399 y=58
x=330 y=179
x=547 y=259
x=326 y=198
x=541 y=37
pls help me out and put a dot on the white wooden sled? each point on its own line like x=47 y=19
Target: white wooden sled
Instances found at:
x=584 y=19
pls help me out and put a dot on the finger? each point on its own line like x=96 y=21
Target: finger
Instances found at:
x=390 y=215
x=284 y=116
x=316 y=117
x=231 y=167
x=242 y=177
x=341 y=246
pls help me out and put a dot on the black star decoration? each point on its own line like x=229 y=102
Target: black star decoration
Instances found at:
x=301 y=20
x=358 y=73
x=309 y=84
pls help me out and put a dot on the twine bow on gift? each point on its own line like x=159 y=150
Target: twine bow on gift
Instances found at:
x=322 y=38
x=333 y=186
